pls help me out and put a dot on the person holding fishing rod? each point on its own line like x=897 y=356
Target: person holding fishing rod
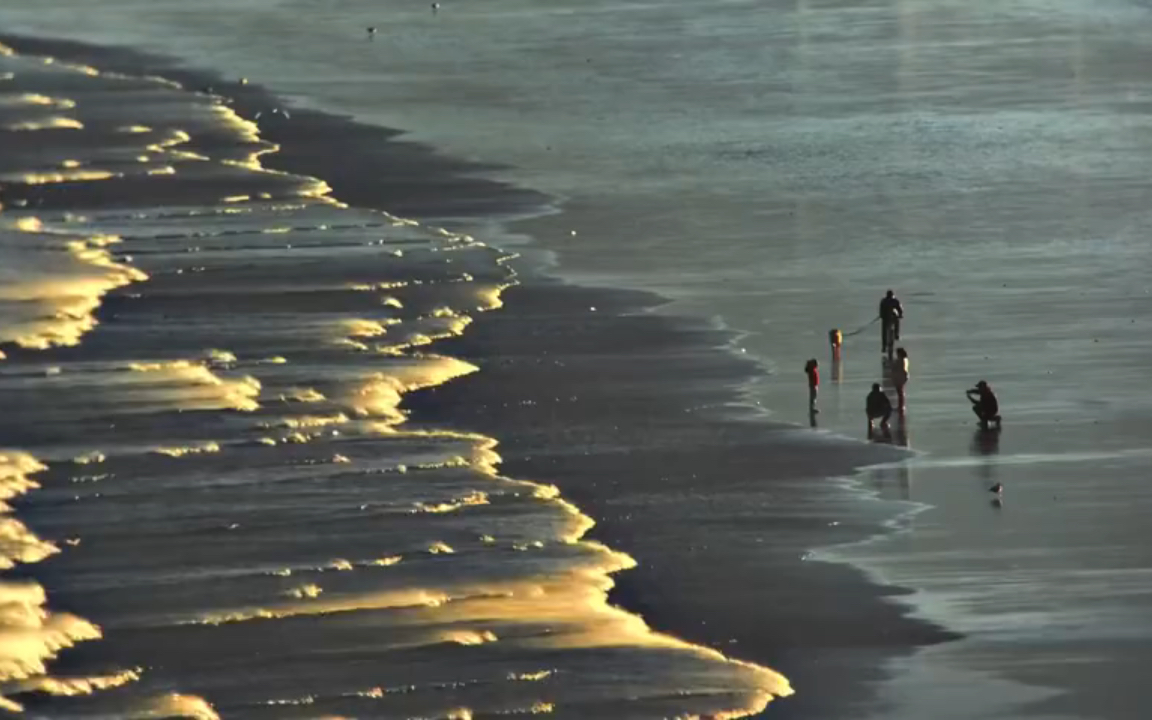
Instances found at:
x=891 y=312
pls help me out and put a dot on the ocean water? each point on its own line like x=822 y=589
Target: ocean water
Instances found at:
x=775 y=166
x=222 y=466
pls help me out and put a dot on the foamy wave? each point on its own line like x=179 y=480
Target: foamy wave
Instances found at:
x=16 y=469
x=311 y=590
x=30 y=635
x=20 y=545
x=47 y=178
x=174 y=705
x=308 y=421
x=52 y=283
x=306 y=395
x=17 y=543
x=380 y=394
x=69 y=687
x=49 y=123
x=181 y=451
x=322 y=606
x=205 y=387
x=90 y=458
x=469 y=637
x=39 y=100
x=474 y=498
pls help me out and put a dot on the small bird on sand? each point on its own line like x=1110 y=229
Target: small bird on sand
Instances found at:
x=372 y=32
x=435 y=8
x=997 y=488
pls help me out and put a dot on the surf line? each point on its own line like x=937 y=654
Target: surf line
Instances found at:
x=758 y=685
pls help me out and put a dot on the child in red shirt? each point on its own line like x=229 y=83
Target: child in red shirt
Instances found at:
x=812 y=369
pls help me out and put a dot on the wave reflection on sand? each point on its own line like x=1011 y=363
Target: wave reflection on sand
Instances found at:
x=249 y=513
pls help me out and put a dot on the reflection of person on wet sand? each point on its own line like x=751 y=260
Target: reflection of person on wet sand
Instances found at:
x=984 y=404
x=900 y=377
x=985 y=443
x=878 y=407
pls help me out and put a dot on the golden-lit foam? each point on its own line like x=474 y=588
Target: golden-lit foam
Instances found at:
x=38 y=99
x=220 y=357
x=471 y=499
x=55 y=122
x=359 y=327
x=380 y=394
x=469 y=637
x=305 y=700
x=16 y=470
x=182 y=450
x=173 y=705
x=90 y=458
x=18 y=544
x=489 y=298
x=57 y=281
x=204 y=388
x=309 y=421
x=48 y=178
x=69 y=687
x=171 y=140
x=310 y=590
x=324 y=606
x=30 y=635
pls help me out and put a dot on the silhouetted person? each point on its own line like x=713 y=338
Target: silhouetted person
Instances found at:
x=890 y=313
x=812 y=370
x=900 y=377
x=984 y=404
x=878 y=407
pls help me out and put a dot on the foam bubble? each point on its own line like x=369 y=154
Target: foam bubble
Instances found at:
x=310 y=590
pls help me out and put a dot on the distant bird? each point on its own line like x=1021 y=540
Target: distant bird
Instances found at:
x=371 y=32
x=435 y=8
x=997 y=488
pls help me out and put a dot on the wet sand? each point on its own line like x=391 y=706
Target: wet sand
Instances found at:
x=640 y=419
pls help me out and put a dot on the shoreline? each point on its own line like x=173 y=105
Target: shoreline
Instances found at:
x=446 y=190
